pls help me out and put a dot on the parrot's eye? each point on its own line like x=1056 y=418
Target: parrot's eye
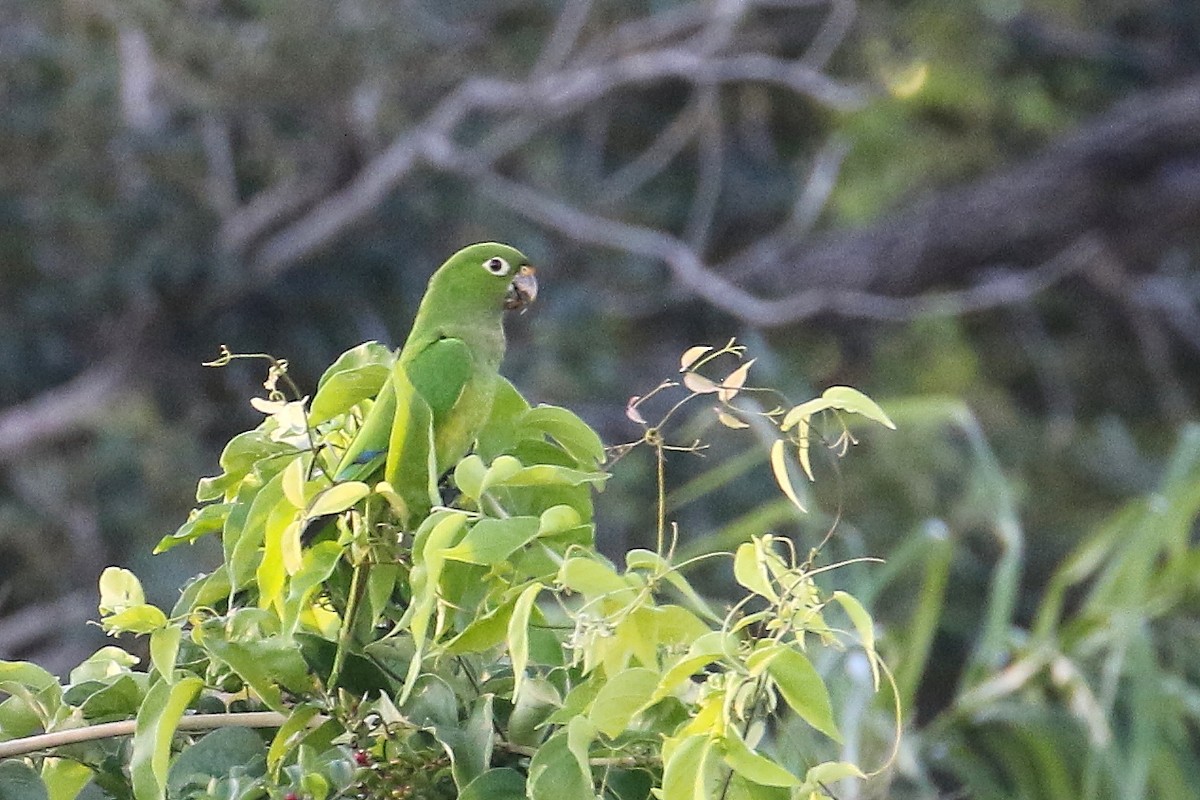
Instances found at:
x=497 y=266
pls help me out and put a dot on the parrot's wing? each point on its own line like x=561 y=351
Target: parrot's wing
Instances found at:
x=439 y=372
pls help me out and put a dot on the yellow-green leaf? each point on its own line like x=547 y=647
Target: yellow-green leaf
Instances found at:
x=295 y=475
x=803 y=690
x=518 y=634
x=469 y=475
x=337 y=498
x=754 y=766
x=748 y=571
x=164 y=647
x=119 y=589
x=157 y=720
x=780 y=470
x=289 y=733
x=688 y=772
x=827 y=773
x=855 y=402
x=621 y=698
x=501 y=469
x=864 y=626
x=143 y=618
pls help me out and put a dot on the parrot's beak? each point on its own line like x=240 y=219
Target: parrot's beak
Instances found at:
x=523 y=290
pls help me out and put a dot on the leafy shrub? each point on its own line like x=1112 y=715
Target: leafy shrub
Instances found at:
x=487 y=652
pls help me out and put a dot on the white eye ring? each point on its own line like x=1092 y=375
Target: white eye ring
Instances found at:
x=497 y=266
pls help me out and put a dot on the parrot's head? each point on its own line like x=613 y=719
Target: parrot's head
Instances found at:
x=498 y=276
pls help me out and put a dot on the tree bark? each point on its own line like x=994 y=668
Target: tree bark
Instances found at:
x=1132 y=176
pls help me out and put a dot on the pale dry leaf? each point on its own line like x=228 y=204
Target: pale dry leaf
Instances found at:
x=692 y=355
x=699 y=384
x=729 y=420
x=631 y=410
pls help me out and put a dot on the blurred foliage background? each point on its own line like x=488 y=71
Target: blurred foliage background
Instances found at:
x=985 y=214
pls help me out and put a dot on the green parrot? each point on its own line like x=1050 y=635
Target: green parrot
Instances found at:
x=429 y=413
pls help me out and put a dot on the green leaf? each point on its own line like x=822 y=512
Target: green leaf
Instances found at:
x=64 y=778
x=17 y=719
x=828 y=773
x=295 y=476
x=103 y=664
x=201 y=522
x=754 y=766
x=155 y=728
x=289 y=734
x=316 y=567
x=280 y=553
x=483 y=632
x=558 y=519
x=593 y=578
x=215 y=755
x=164 y=648
x=18 y=781
x=469 y=475
x=119 y=589
x=740 y=788
x=429 y=547
x=499 y=471
x=120 y=699
x=243 y=453
x=659 y=566
x=490 y=541
x=364 y=355
x=750 y=572
x=243 y=550
x=712 y=646
x=340 y=391
x=865 y=627
x=471 y=750
x=501 y=783
x=22 y=679
x=554 y=772
x=431 y=703
x=689 y=770
x=855 y=402
x=264 y=663
x=621 y=698
x=499 y=434
x=143 y=618
x=800 y=684
x=539 y=699
x=518 y=634
x=337 y=498
x=580 y=735
x=572 y=434
x=552 y=475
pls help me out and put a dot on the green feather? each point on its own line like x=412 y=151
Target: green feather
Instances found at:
x=445 y=378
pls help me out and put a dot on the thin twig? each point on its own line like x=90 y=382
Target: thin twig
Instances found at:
x=111 y=730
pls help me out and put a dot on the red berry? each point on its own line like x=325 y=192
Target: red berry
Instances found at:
x=291 y=796
x=362 y=758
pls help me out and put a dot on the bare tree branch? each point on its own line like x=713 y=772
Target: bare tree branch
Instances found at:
x=539 y=98
x=72 y=408
x=689 y=270
x=1130 y=173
